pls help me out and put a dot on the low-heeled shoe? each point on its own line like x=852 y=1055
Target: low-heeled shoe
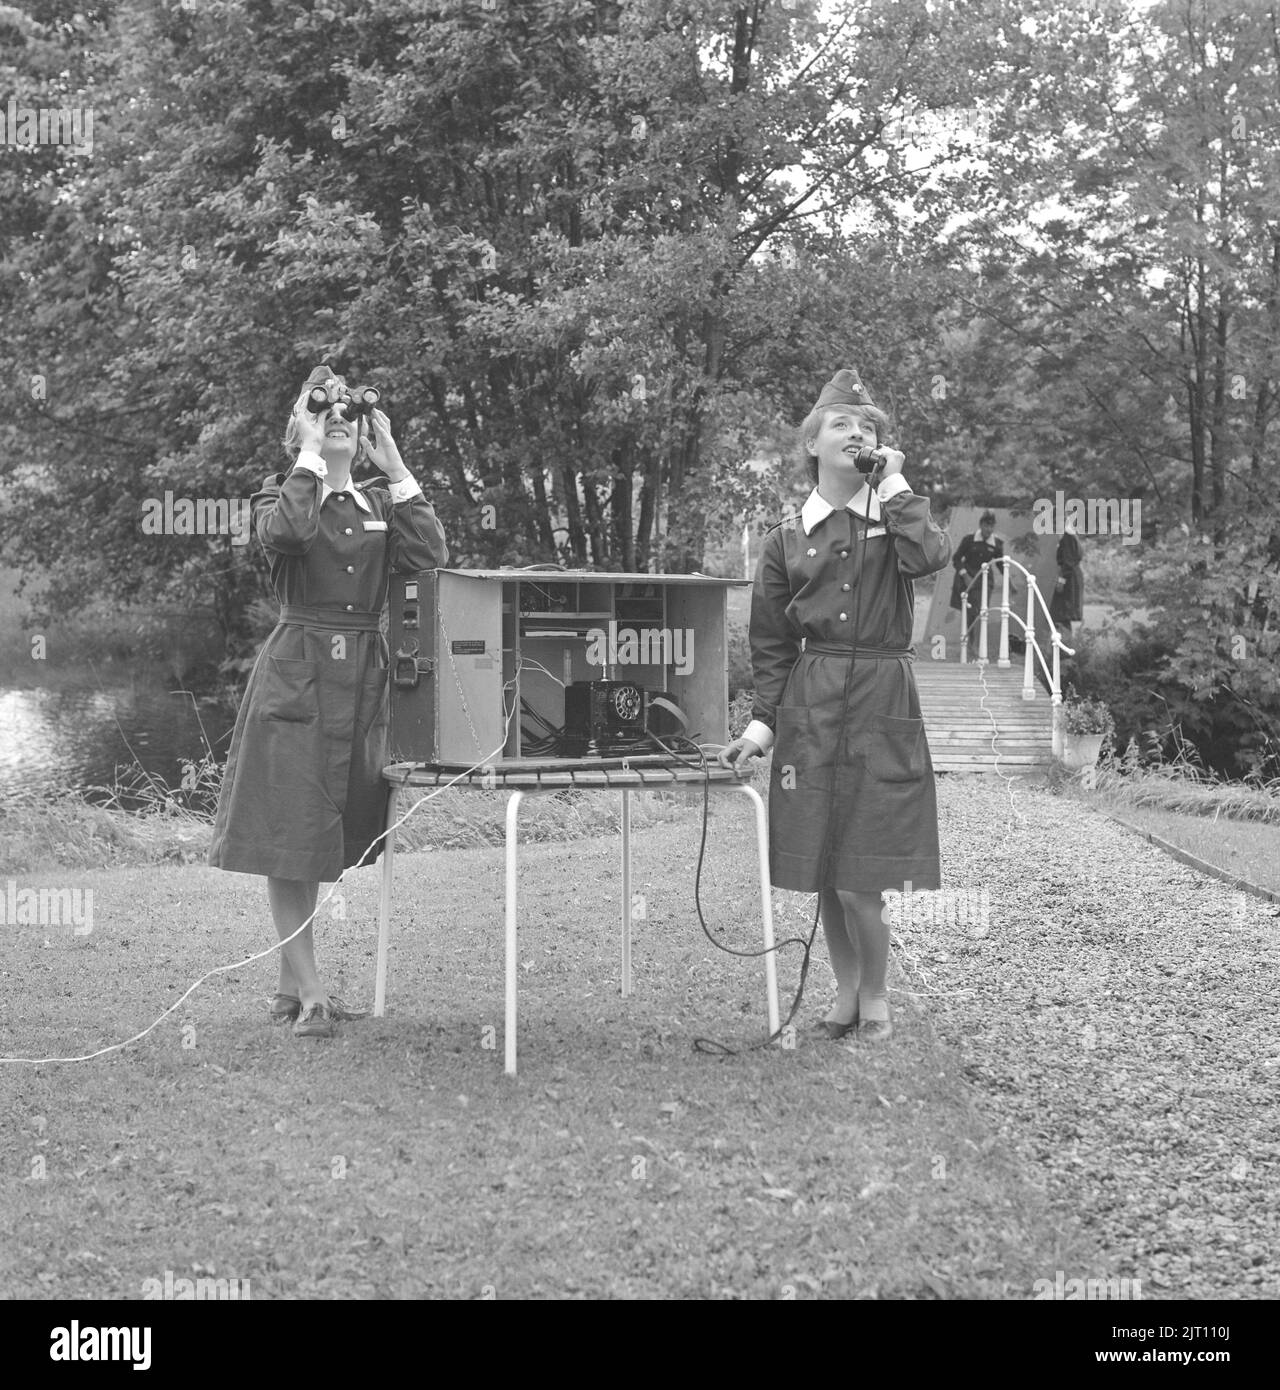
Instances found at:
x=315 y=1022
x=875 y=1030
x=822 y=1031
x=285 y=1008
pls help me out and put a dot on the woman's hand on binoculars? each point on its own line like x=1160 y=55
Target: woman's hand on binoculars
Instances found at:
x=310 y=427
x=381 y=448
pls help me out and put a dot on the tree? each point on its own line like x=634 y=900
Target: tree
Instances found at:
x=592 y=251
x=1149 y=293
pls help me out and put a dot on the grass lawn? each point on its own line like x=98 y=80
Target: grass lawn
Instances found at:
x=1250 y=849
x=398 y=1161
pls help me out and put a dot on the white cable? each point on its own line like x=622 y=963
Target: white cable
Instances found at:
x=995 y=732
x=538 y=666
x=284 y=941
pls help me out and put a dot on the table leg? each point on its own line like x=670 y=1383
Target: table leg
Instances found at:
x=766 y=908
x=384 y=906
x=626 y=892
x=509 y=1028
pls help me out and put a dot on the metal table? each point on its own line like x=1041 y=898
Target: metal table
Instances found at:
x=530 y=775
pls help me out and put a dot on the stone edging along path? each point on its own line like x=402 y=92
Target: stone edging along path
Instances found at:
x=1201 y=865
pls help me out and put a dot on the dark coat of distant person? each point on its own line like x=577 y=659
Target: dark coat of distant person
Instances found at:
x=1067 y=604
x=971 y=554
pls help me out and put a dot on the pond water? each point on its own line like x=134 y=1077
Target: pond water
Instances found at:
x=77 y=735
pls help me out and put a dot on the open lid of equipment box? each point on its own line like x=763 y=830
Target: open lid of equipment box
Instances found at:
x=593 y=576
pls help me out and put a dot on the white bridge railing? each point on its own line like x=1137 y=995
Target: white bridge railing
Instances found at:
x=1052 y=669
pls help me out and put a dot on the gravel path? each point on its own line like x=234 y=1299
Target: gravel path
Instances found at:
x=1115 y=1013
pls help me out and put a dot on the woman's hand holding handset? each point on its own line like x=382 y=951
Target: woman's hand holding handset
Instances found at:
x=893 y=460
x=741 y=750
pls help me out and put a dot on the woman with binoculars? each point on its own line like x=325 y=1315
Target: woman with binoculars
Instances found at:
x=303 y=797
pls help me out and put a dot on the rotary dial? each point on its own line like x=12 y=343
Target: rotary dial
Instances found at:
x=626 y=702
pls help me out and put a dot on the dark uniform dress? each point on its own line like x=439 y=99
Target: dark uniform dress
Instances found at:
x=883 y=813
x=303 y=795
x=971 y=554
x=1067 y=603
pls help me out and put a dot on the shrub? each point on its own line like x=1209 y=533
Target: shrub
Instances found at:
x=1085 y=716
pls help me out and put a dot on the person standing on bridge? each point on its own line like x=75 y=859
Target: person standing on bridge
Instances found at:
x=852 y=801
x=1067 y=605
x=971 y=554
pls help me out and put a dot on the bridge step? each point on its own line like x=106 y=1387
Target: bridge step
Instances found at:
x=958 y=714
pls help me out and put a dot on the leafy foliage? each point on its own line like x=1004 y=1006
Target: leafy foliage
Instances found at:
x=1086 y=716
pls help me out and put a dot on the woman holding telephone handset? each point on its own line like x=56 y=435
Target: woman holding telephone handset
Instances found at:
x=852 y=801
x=303 y=796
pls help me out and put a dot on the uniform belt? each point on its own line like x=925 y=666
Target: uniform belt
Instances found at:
x=836 y=649
x=339 y=619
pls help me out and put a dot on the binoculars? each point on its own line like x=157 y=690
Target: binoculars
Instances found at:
x=356 y=402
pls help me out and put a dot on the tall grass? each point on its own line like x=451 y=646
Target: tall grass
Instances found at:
x=66 y=829
x=1182 y=783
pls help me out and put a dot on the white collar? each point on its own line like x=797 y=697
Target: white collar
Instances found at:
x=351 y=490
x=817 y=509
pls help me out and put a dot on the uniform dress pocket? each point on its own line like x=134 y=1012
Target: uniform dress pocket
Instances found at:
x=801 y=756
x=288 y=691
x=895 y=749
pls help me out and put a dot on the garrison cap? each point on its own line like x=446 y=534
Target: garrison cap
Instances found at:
x=845 y=388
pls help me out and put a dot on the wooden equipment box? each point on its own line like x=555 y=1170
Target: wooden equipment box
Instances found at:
x=469 y=646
